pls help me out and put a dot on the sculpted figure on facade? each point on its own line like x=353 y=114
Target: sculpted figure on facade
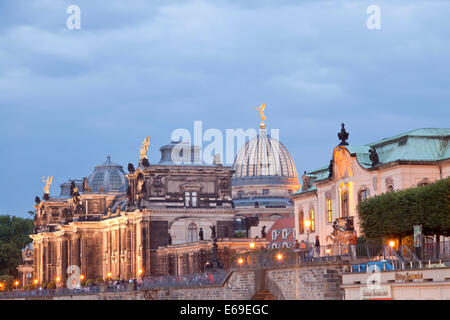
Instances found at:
x=374 y=157
x=86 y=187
x=306 y=181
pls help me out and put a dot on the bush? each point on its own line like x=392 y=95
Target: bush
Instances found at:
x=394 y=214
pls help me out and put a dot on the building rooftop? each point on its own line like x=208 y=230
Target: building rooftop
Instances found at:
x=420 y=145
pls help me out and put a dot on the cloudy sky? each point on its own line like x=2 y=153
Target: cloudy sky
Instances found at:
x=136 y=68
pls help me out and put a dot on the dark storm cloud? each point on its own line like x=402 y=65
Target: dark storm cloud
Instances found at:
x=138 y=68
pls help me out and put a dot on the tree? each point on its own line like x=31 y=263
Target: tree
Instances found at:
x=394 y=214
x=14 y=236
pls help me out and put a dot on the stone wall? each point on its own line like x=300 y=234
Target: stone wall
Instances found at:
x=319 y=282
x=290 y=283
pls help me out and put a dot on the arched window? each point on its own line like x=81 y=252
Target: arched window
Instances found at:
x=312 y=218
x=329 y=211
x=344 y=204
x=192 y=233
x=390 y=188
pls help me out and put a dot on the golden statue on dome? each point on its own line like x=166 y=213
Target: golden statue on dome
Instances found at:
x=144 y=149
x=263 y=117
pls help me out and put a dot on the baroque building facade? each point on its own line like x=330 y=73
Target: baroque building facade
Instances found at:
x=156 y=219
x=329 y=195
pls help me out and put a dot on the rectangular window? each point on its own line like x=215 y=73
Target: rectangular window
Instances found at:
x=265 y=191
x=329 y=211
x=194 y=199
x=313 y=220
x=187 y=199
x=301 y=227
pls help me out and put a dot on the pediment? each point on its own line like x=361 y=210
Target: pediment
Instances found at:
x=191 y=186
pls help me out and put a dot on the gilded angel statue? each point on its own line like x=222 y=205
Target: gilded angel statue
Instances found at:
x=263 y=117
x=48 y=183
x=144 y=149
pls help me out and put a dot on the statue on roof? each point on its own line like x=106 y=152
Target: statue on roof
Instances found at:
x=263 y=232
x=131 y=168
x=331 y=169
x=263 y=117
x=76 y=200
x=72 y=187
x=86 y=187
x=144 y=149
x=343 y=136
x=48 y=183
x=373 y=157
x=306 y=181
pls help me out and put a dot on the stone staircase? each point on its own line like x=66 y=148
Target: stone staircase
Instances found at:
x=263 y=295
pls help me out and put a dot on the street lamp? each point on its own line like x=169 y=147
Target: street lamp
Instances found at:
x=140 y=271
x=241 y=261
x=307 y=225
x=82 y=277
x=252 y=245
x=279 y=257
x=109 y=274
x=392 y=243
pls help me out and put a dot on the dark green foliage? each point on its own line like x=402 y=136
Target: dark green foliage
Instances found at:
x=394 y=214
x=14 y=235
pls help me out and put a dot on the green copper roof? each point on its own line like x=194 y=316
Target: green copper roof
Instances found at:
x=428 y=144
x=417 y=145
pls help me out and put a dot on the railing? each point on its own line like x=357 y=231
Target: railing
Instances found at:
x=147 y=283
x=196 y=280
x=378 y=255
x=435 y=251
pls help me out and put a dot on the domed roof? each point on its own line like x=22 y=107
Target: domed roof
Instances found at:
x=109 y=176
x=264 y=160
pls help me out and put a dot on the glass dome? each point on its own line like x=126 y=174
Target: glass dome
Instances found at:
x=110 y=176
x=264 y=160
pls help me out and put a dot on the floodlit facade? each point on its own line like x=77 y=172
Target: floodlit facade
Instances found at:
x=329 y=195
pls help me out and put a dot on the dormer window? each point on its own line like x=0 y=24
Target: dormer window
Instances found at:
x=285 y=233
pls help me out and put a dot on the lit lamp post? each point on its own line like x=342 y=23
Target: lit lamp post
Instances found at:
x=279 y=257
x=140 y=272
x=308 y=226
x=16 y=283
x=252 y=245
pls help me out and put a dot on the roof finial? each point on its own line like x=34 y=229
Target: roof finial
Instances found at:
x=108 y=159
x=343 y=136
